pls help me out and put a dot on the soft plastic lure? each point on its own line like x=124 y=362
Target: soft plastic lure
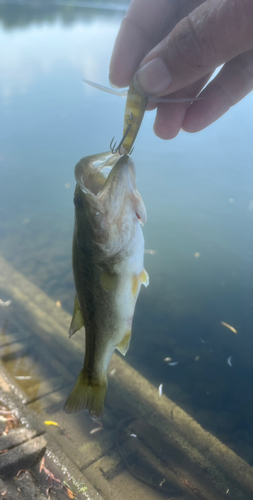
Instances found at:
x=134 y=112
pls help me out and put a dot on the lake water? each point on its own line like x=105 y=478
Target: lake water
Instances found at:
x=198 y=192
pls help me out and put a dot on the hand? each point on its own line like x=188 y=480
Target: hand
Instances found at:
x=195 y=37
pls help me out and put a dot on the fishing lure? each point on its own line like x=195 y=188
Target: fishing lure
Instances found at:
x=134 y=111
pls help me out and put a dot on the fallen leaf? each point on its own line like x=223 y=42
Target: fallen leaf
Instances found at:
x=20 y=471
x=12 y=423
x=42 y=464
x=70 y=493
x=50 y=422
x=49 y=474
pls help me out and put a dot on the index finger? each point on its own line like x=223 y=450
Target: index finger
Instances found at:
x=145 y=24
x=138 y=34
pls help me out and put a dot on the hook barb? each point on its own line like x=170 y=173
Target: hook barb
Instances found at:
x=115 y=148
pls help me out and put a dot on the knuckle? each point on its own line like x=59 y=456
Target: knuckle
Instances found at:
x=129 y=23
x=194 y=47
x=246 y=63
x=225 y=95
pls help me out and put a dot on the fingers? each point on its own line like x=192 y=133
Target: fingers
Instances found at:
x=145 y=24
x=234 y=81
x=212 y=34
x=136 y=37
x=170 y=117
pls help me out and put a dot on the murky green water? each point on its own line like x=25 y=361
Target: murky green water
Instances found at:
x=198 y=191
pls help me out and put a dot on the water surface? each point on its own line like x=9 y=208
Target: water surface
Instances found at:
x=198 y=194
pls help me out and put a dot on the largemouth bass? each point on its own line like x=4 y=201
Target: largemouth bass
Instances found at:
x=108 y=251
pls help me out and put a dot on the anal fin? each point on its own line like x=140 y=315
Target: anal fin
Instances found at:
x=123 y=346
x=144 y=277
x=139 y=279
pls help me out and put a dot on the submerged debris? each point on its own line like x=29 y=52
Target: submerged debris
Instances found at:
x=229 y=361
x=11 y=420
x=150 y=252
x=70 y=493
x=5 y=303
x=50 y=422
x=229 y=327
x=23 y=377
x=97 y=429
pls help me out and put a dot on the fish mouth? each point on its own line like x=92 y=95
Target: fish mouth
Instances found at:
x=109 y=184
x=92 y=172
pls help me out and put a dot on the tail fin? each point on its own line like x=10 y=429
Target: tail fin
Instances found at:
x=87 y=395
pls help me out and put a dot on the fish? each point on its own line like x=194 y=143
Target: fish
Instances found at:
x=107 y=258
x=134 y=112
x=229 y=327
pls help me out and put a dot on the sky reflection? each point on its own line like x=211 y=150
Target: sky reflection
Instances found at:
x=46 y=50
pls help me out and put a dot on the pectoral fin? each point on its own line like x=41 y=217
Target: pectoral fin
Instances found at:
x=77 y=319
x=123 y=346
x=144 y=277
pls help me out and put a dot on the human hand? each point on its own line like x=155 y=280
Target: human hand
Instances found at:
x=195 y=37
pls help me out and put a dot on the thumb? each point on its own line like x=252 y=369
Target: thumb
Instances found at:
x=209 y=36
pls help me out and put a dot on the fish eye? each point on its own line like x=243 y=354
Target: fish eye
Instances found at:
x=78 y=202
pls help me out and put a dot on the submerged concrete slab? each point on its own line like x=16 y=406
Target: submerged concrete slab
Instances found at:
x=15 y=437
x=22 y=457
x=169 y=442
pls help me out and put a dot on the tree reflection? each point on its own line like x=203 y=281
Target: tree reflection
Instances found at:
x=14 y=15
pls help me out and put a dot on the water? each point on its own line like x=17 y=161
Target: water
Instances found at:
x=197 y=191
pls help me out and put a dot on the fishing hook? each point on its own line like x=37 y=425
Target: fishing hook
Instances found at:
x=113 y=147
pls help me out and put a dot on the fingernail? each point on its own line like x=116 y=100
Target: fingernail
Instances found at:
x=112 y=84
x=153 y=77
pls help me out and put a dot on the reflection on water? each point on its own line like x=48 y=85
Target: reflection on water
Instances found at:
x=20 y=14
x=198 y=194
